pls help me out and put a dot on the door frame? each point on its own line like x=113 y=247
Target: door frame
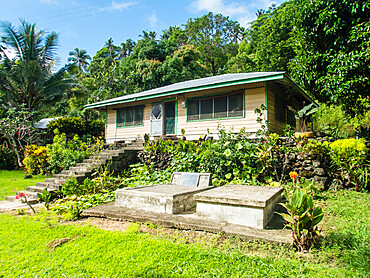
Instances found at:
x=164 y=115
x=161 y=120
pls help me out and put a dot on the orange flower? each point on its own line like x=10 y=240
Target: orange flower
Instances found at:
x=293 y=175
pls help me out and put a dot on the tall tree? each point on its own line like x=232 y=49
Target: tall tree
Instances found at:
x=332 y=42
x=269 y=44
x=28 y=78
x=216 y=37
x=80 y=58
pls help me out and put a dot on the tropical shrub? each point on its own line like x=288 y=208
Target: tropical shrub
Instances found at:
x=64 y=153
x=230 y=158
x=71 y=207
x=321 y=150
x=333 y=121
x=350 y=155
x=8 y=159
x=101 y=181
x=361 y=124
x=35 y=161
x=303 y=217
x=75 y=125
x=267 y=154
x=142 y=174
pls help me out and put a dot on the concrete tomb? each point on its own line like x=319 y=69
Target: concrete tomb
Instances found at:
x=173 y=198
x=251 y=206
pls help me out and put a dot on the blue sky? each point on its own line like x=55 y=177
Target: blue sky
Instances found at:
x=88 y=24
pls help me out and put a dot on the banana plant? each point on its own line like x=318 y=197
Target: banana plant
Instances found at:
x=303 y=217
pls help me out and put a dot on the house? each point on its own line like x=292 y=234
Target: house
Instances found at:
x=199 y=106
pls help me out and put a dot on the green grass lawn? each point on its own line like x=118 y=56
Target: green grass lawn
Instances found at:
x=10 y=180
x=92 y=252
x=344 y=252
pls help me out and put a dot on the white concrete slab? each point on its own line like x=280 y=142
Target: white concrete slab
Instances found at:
x=251 y=206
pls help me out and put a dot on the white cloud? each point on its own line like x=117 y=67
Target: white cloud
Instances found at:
x=153 y=20
x=218 y=6
x=244 y=12
x=115 y=6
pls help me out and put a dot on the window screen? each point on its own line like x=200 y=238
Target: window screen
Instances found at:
x=236 y=105
x=120 y=118
x=219 y=107
x=291 y=118
x=130 y=117
x=206 y=109
x=193 y=110
x=280 y=108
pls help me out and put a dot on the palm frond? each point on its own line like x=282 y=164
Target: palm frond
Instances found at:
x=50 y=47
x=12 y=38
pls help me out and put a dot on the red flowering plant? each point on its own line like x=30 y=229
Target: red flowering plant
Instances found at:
x=23 y=197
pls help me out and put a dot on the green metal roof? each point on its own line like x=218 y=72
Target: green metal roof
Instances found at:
x=197 y=85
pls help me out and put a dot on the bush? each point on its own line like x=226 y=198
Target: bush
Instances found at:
x=71 y=207
x=101 y=181
x=35 y=160
x=333 y=121
x=75 y=125
x=8 y=159
x=63 y=154
x=350 y=155
x=230 y=158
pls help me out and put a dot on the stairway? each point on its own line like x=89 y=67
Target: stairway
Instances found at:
x=120 y=159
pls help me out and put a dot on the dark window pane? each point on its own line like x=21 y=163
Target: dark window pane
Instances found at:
x=129 y=120
x=291 y=118
x=157 y=112
x=206 y=109
x=139 y=119
x=120 y=118
x=220 y=105
x=236 y=105
x=280 y=108
x=193 y=110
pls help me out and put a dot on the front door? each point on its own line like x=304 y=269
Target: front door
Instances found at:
x=156 y=119
x=170 y=117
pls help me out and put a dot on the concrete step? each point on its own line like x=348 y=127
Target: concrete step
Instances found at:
x=113 y=151
x=52 y=180
x=31 y=198
x=39 y=189
x=92 y=160
x=79 y=168
x=134 y=148
x=48 y=184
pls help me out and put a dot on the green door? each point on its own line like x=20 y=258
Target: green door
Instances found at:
x=170 y=117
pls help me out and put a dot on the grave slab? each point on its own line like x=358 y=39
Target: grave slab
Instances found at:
x=173 y=198
x=251 y=206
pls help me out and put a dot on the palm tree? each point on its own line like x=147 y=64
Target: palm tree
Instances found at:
x=129 y=46
x=80 y=58
x=28 y=77
x=111 y=47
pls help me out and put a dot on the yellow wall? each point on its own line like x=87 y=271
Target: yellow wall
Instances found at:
x=254 y=96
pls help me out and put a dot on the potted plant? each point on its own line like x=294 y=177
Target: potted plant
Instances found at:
x=304 y=116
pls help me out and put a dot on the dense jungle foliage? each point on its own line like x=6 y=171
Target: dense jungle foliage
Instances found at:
x=336 y=35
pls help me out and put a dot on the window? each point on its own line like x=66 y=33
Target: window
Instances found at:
x=218 y=107
x=280 y=108
x=291 y=118
x=133 y=116
x=282 y=112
